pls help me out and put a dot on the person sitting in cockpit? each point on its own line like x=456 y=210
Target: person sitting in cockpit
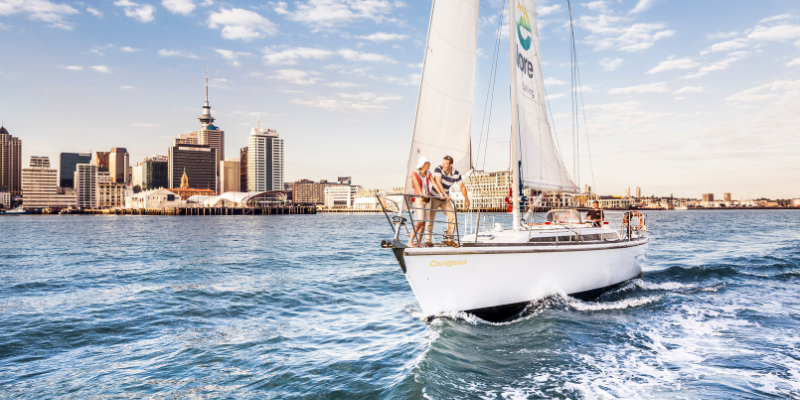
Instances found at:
x=596 y=215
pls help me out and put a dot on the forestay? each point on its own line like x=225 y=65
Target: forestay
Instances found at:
x=444 y=108
x=539 y=162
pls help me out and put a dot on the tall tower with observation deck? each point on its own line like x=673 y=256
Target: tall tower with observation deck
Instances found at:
x=209 y=134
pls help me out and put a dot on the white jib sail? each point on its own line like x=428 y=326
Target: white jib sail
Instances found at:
x=444 y=108
x=541 y=165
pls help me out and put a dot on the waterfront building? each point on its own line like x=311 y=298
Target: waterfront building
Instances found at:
x=67 y=163
x=239 y=199
x=40 y=186
x=726 y=197
x=628 y=192
x=615 y=202
x=149 y=199
x=210 y=135
x=86 y=186
x=338 y=196
x=265 y=161
x=118 y=162
x=186 y=191
x=638 y=192
x=308 y=192
x=708 y=197
x=10 y=163
x=101 y=160
x=229 y=171
x=151 y=173
x=243 y=169
x=110 y=194
x=366 y=199
x=5 y=200
x=185 y=138
x=198 y=162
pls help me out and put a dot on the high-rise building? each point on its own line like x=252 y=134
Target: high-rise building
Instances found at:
x=638 y=192
x=101 y=160
x=110 y=194
x=708 y=196
x=198 y=161
x=118 y=162
x=67 y=162
x=229 y=175
x=628 y=192
x=726 y=196
x=185 y=138
x=243 y=169
x=10 y=163
x=264 y=160
x=86 y=186
x=305 y=191
x=40 y=186
x=151 y=173
x=209 y=134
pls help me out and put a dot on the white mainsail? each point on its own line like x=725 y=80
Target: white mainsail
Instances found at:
x=444 y=108
x=535 y=158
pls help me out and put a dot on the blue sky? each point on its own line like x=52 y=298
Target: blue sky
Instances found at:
x=682 y=97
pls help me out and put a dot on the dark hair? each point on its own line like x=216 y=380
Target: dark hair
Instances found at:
x=448 y=158
x=596 y=202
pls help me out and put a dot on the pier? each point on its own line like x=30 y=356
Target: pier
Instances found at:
x=199 y=211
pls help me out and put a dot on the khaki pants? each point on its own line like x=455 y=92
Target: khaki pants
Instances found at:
x=445 y=206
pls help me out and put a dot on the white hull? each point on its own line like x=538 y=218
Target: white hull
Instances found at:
x=470 y=278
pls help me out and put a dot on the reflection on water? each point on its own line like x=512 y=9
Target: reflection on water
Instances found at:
x=296 y=306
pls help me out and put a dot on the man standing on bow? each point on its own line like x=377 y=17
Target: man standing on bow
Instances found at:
x=444 y=177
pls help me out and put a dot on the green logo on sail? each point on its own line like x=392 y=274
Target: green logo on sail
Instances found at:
x=524 y=23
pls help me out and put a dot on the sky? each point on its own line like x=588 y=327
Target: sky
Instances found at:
x=680 y=97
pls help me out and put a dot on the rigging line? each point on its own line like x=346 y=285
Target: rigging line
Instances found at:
x=493 y=79
x=585 y=124
x=572 y=95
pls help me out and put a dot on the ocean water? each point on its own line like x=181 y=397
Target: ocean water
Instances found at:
x=283 y=307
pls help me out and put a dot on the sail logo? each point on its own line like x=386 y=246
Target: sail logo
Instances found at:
x=524 y=24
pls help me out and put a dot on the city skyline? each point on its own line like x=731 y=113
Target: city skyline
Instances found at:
x=676 y=104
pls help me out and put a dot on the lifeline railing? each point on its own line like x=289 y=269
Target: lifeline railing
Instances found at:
x=397 y=221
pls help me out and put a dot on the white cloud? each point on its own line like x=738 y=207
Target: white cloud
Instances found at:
x=182 y=7
x=128 y=49
x=241 y=24
x=290 y=56
x=555 y=96
x=319 y=14
x=101 y=68
x=296 y=76
x=610 y=32
x=343 y=85
x=127 y=87
x=140 y=12
x=94 y=12
x=671 y=63
x=794 y=62
x=418 y=65
x=546 y=10
x=176 y=53
x=719 y=65
x=353 y=55
x=553 y=81
x=722 y=35
x=778 y=33
x=596 y=5
x=690 y=89
x=383 y=37
x=74 y=68
x=39 y=10
x=360 y=101
x=643 y=5
x=726 y=46
x=410 y=80
x=656 y=87
x=610 y=64
x=232 y=56
x=777 y=18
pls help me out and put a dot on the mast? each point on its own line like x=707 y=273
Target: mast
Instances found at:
x=515 y=158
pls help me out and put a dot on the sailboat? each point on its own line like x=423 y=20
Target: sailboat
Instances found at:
x=495 y=273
